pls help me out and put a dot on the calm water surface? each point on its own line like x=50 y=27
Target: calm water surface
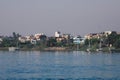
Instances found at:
x=74 y=65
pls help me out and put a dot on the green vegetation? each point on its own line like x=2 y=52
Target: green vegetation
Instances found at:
x=10 y=41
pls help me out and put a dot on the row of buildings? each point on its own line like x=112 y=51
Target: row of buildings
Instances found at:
x=99 y=35
x=32 y=38
x=66 y=38
x=58 y=37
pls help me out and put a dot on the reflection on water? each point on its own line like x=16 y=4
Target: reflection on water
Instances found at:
x=74 y=65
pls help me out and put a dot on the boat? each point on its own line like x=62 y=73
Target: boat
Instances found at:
x=13 y=49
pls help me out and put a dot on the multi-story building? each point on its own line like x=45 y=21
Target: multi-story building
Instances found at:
x=106 y=33
x=22 y=39
x=37 y=36
x=57 y=34
x=92 y=35
x=99 y=35
x=78 y=40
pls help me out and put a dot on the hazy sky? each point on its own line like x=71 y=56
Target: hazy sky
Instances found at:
x=68 y=16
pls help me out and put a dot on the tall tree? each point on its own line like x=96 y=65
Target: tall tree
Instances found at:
x=15 y=38
x=112 y=38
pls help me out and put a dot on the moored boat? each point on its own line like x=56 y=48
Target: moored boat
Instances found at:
x=13 y=48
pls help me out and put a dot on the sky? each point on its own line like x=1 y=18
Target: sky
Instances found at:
x=75 y=17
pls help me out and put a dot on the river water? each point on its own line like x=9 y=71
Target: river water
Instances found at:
x=73 y=65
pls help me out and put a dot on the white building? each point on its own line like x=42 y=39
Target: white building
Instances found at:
x=109 y=32
x=22 y=39
x=1 y=40
x=29 y=38
x=37 y=36
x=57 y=34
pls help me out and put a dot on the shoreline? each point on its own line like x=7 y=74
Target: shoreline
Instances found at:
x=60 y=49
x=39 y=49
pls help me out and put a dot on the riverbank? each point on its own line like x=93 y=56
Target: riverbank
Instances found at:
x=57 y=49
x=106 y=49
x=38 y=49
x=3 y=48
